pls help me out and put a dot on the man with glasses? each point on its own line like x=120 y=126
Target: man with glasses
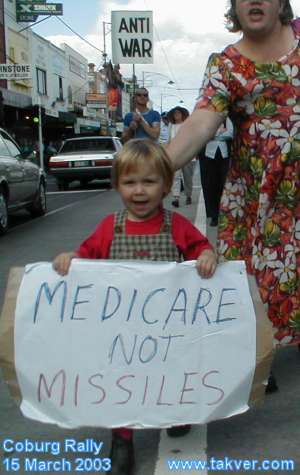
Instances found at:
x=142 y=123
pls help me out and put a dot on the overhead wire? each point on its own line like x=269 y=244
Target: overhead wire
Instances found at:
x=77 y=34
x=71 y=29
x=173 y=77
x=35 y=23
x=101 y=51
x=8 y=13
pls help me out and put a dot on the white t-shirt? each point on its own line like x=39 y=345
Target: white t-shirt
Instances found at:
x=220 y=140
x=164 y=133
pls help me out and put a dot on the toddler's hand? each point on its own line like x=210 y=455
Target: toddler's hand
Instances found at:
x=62 y=262
x=206 y=263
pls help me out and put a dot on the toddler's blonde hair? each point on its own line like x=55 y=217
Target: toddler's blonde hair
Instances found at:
x=137 y=152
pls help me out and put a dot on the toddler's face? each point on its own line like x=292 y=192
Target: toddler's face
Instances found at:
x=142 y=191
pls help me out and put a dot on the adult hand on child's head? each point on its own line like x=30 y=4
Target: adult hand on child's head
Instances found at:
x=206 y=263
x=61 y=263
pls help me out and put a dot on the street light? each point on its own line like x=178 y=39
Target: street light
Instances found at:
x=167 y=95
x=104 y=54
x=145 y=73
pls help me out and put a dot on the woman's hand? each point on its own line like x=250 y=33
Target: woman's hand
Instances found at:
x=206 y=263
x=61 y=263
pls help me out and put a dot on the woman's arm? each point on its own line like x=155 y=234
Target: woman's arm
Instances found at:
x=195 y=132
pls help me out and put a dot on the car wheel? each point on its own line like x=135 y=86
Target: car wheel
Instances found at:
x=39 y=206
x=3 y=213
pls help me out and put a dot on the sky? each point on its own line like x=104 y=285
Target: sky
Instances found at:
x=186 y=32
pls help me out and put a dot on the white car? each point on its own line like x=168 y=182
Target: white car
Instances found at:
x=84 y=159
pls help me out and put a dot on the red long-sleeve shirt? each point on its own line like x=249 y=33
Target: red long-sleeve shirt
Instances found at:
x=187 y=237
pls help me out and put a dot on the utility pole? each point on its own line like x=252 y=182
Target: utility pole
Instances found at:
x=104 y=43
x=133 y=86
x=41 y=146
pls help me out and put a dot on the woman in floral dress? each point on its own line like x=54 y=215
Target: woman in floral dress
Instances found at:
x=256 y=82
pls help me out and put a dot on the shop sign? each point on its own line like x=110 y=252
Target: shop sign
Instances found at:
x=15 y=71
x=28 y=11
x=52 y=112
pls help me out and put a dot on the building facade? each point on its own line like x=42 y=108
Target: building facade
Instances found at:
x=71 y=97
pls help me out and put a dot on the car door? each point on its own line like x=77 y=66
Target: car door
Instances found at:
x=30 y=178
x=11 y=172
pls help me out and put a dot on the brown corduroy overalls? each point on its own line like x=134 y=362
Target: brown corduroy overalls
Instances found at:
x=151 y=247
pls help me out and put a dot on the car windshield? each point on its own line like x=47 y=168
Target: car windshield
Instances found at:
x=90 y=145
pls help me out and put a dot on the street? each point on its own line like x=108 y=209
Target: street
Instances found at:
x=270 y=431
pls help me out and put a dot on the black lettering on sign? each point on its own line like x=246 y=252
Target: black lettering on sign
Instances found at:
x=123 y=26
x=133 y=48
x=146 y=47
x=135 y=25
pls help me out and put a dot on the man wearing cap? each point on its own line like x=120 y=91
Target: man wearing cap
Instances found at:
x=143 y=123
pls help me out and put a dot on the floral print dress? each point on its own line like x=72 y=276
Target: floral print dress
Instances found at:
x=260 y=206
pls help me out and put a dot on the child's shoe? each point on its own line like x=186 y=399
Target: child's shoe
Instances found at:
x=175 y=203
x=121 y=455
x=188 y=200
x=178 y=431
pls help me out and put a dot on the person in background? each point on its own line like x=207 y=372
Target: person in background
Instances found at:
x=143 y=123
x=164 y=128
x=214 y=165
x=49 y=151
x=176 y=117
x=255 y=82
x=143 y=176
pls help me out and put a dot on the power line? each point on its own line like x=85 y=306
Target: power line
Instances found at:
x=163 y=50
x=77 y=34
x=35 y=23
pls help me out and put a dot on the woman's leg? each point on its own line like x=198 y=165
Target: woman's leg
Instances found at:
x=264 y=344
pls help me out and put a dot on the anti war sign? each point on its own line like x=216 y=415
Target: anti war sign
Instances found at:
x=134 y=344
x=132 y=37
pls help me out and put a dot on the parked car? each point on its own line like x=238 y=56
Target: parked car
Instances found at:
x=84 y=159
x=22 y=182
